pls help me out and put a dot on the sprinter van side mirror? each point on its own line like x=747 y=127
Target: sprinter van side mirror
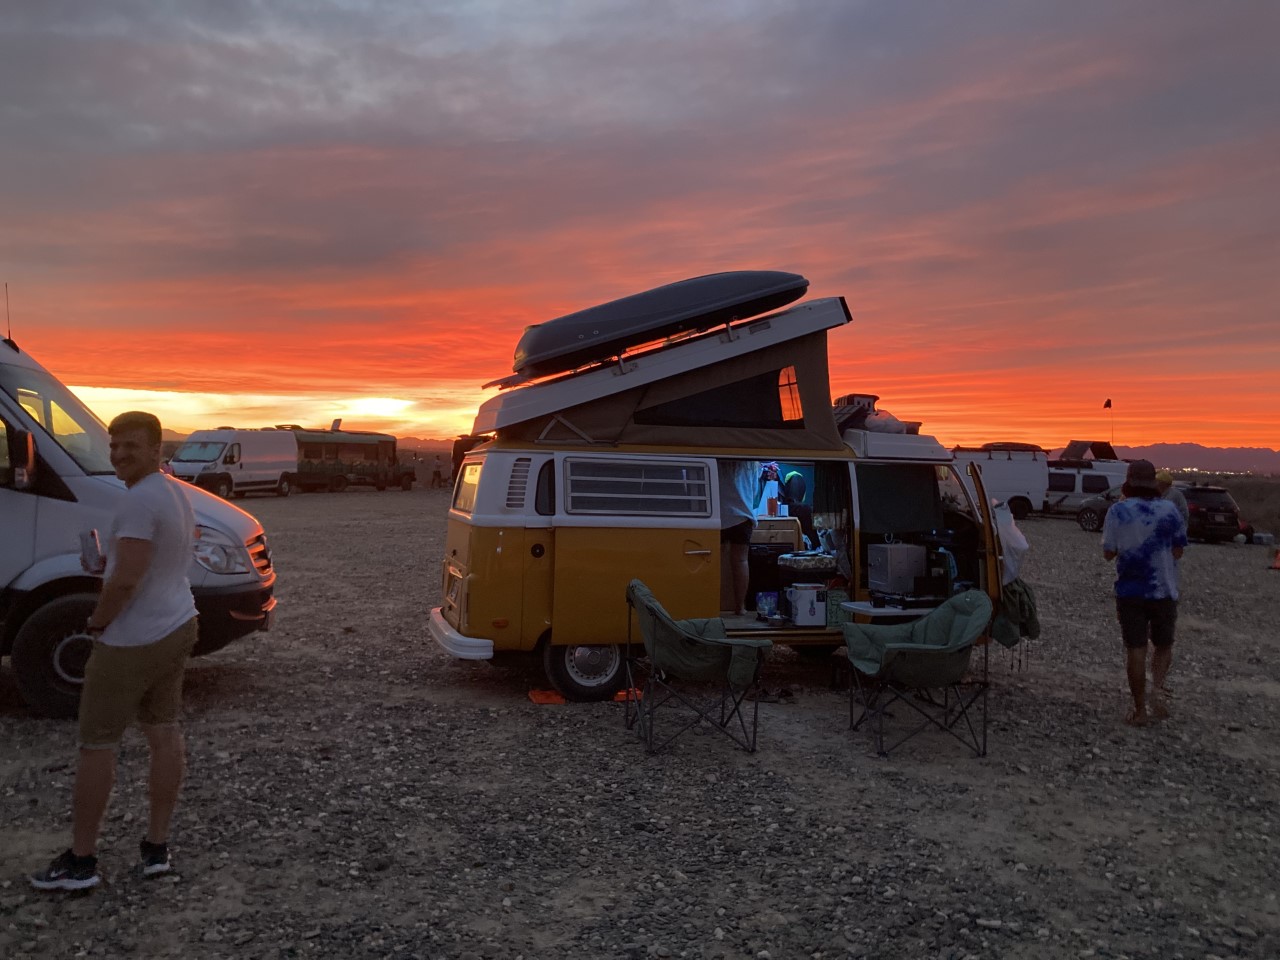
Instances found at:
x=19 y=472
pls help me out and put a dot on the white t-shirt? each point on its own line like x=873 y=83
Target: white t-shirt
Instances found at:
x=154 y=509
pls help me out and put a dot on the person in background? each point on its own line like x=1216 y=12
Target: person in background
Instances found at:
x=143 y=629
x=1164 y=483
x=437 y=472
x=739 y=493
x=1145 y=534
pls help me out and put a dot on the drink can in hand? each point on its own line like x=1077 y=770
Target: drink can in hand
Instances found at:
x=90 y=550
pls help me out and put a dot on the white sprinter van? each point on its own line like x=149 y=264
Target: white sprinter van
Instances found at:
x=228 y=461
x=579 y=482
x=56 y=482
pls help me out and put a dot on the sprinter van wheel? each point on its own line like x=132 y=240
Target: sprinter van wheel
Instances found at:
x=1020 y=507
x=222 y=488
x=1089 y=519
x=338 y=484
x=584 y=673
x=50 y=652
x=284 y=488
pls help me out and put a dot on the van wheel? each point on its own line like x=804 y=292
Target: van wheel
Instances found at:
x=584 y=674
x=222 y=488
x=1019 y=508
x=406 y=482
x=379 y=485
x=338 y=484
x=50 y=652
x=1089 y=519
x=283 y=488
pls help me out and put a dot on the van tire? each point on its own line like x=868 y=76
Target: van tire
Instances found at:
x=222 y=487
x=379 y=485
x=338 y=484
x=50 y=652
x=1019 y=507
x=582 y=673
x=406 y=483
x=284 y=487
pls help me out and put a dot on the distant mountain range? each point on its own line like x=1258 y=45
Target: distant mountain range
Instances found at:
x=1193 y=456
x=1175 y=456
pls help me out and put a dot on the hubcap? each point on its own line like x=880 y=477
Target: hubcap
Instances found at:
x=591 y=666
x=70 y=657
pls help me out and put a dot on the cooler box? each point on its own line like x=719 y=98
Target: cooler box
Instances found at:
x=893 y=567
x=808 y=602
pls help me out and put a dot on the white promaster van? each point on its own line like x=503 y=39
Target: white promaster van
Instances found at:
x=228 y=461
x=56 y=482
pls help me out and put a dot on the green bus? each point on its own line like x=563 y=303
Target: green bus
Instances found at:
x=336 y=459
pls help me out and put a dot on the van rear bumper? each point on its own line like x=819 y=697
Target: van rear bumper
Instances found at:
x=454 y=643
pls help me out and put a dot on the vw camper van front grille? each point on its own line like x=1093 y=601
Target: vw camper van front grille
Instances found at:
x=260 y=554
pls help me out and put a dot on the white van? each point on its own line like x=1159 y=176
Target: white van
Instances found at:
x=228 y=461
x=56 y=482
x=581 y=481
x=1013 y=473
x=1085 y=469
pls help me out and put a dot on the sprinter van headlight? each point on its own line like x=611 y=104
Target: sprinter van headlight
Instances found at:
x=217 y=553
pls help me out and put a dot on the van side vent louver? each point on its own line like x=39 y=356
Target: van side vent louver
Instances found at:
x=519 y=483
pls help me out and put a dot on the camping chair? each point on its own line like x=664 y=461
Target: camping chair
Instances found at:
x=911 y=663
x=677 y=654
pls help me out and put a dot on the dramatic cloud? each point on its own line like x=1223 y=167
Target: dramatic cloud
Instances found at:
x=1030 y=207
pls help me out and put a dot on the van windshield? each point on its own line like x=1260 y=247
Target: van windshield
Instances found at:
x=62 y=416
x=199 y=451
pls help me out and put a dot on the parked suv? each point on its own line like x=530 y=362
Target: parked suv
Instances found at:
x=1213 y=514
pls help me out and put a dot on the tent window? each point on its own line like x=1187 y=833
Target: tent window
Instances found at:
x=758 y=401
x=789 y=394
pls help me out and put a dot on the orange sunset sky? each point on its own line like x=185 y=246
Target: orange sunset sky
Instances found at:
x=241 y=213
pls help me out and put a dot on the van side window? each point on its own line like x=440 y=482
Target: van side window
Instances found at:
x=1090 y=483
x=1062 y=482
x=6 y=466
x=898 y=498
x=637 y=487
x=464 y=494
x=233 y=454
x=544 y=499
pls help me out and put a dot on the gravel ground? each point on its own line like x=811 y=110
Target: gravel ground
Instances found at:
x=355 y=793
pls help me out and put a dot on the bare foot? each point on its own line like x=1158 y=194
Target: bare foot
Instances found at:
x=1160 y=706
x=1136 y=717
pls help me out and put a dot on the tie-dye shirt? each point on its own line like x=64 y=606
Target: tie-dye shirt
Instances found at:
x=1142 y=534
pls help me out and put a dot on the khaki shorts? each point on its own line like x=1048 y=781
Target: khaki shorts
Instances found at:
x=122 y=684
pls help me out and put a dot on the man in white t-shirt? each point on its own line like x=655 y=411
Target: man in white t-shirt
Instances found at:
x=144 y=627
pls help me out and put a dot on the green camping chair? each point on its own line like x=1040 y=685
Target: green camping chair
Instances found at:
x=681 y=660
x=911 y=663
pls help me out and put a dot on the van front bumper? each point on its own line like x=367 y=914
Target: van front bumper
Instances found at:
x=229 y=613
x=454 y=643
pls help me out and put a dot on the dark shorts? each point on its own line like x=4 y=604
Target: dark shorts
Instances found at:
x=1141 y=620
x=123 y=684
x=738 y=533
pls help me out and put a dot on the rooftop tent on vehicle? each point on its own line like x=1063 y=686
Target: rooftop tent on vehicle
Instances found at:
x=770 y=398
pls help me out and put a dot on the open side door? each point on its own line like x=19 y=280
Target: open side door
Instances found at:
x=991 y=560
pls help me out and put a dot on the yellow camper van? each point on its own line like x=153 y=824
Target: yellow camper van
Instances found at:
x=585 y=478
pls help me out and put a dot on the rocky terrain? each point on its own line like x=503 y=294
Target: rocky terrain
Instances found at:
x=355 y=793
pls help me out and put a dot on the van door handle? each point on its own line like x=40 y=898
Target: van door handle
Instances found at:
x=697 y=553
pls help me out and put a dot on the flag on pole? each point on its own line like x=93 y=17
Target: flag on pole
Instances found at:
x=1107 y=405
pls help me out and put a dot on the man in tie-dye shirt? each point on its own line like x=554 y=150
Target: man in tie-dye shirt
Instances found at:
x=1145 y=535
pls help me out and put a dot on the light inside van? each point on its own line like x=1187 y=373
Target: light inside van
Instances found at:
x=217 y=553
